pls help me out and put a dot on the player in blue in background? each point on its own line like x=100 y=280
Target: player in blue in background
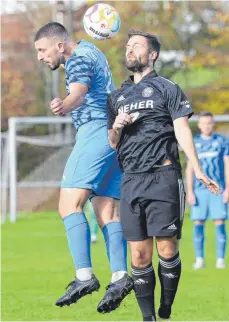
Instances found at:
x=92 y=170
x=213 y=153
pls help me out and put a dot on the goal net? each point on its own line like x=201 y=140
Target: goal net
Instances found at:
x=34 y=153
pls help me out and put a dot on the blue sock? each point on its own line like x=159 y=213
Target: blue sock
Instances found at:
x=116 y=246
x=199 y=240
x=79 y=239
x=221 y=240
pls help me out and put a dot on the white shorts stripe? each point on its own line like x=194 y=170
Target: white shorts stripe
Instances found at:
x=182 y=198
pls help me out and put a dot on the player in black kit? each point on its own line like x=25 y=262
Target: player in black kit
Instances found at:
x=146 y=118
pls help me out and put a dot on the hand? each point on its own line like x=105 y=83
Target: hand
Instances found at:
x=210 y=184
x=226 y=196
x=191 y=199
x=121 y=120
x=57 y=106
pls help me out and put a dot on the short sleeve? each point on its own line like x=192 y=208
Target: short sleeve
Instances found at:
x=80 y=69
x=111 y=115
x=178 y=104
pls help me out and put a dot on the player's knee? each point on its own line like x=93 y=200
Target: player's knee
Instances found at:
x=106 y=209
x=198 y=222
x=167 y=248
x=63 y=210
x=106 y=218
x=219 y=222
x=167 y=251
x=141 y=258
x=72 y=200
x=67 y=207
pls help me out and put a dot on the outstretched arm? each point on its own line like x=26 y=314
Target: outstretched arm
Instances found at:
x=191 y=199
x=184 y=137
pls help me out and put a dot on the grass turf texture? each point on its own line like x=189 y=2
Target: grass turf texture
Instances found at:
x=36 y=266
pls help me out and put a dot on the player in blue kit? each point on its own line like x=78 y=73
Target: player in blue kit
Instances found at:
x=92 y=170
x=213 y=153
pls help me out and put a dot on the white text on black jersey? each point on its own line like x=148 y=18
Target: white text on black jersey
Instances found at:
x=135 y=106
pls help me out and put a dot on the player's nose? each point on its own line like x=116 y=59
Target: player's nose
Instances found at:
x=129 y=51
x=40 y=57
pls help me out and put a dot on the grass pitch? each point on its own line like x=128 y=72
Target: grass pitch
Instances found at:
x=36 y=267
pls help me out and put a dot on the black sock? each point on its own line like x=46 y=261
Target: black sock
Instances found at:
x=144 y=285
x=169 y=271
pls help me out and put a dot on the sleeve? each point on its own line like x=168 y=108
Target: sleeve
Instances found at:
x=111 y=115
x=80 y=70
x=178 y=104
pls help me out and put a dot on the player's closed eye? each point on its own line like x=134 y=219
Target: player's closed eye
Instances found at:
x=132 y=47
x=135 y=48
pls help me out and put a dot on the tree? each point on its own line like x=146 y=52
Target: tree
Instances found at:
x=212 y=53
x=23 y=79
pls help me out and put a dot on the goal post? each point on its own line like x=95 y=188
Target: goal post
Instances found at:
x=217 y=118
x=58 y=139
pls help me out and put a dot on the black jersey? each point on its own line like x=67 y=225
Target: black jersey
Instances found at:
x=155 y=102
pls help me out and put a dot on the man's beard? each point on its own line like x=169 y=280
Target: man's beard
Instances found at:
x=61 y=61
x=54 y=67
x=136 y=66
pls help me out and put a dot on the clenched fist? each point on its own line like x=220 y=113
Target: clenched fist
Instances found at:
x=121 y=120
x=57 y=106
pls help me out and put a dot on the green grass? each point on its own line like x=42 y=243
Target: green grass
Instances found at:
x=36 y=266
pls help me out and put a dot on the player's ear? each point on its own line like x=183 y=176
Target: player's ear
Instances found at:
x=60 y=47
x=153 y=55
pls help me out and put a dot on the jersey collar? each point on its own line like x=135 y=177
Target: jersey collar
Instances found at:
x=149 y=75
x=209 y=138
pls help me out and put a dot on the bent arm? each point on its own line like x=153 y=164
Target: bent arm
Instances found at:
x=75 y=98
x=114 y=137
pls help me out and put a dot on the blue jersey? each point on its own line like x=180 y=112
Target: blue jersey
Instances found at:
x=89 y=66
x=211 y=154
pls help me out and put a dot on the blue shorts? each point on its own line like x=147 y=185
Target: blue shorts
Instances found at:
x=93 y=163
x=208 y=205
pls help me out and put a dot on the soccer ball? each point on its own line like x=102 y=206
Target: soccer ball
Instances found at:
x=101 y=21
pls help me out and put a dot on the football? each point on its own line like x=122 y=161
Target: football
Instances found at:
x=101 y=21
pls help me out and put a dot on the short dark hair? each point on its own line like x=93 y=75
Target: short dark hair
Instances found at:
x=153 y=42
x=50 y=30
x=205 y=113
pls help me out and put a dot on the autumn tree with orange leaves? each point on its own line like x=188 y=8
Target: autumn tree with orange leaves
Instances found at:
x=195 y=32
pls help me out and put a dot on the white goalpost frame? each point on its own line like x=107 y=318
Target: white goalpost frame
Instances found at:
x=12 y=122
x=12 y=149
x=4 y=177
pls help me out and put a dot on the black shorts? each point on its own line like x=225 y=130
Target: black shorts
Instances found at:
x=152 y=204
